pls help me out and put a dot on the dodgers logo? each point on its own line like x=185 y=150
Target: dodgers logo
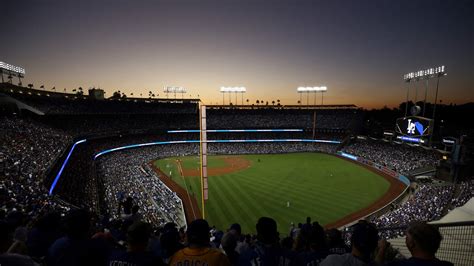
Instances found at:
x=411 y=127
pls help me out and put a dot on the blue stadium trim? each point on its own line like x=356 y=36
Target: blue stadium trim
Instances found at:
x=213 y=141
x=63 y=166
x=234 y=130
x=350 y=156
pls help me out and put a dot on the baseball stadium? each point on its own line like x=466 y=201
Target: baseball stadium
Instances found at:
x=236 y=133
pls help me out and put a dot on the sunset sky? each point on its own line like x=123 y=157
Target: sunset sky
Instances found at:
x=358 y=49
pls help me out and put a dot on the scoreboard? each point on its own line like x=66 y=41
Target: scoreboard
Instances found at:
x=414 y=126
x=414 y=129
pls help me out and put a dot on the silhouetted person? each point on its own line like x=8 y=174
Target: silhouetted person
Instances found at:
x=311 y=246
x=422 y=240
x=335 y=242
x=199 y=251
x=137 y=241
x=77 y=248
x=6 y=240
x=364 y=241
x=266 y=251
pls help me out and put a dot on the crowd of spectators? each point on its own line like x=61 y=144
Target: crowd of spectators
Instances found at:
x=428 y=203
x=82 y=238
x=401 y=158
x=27 y=152
x=127 y=174
x=466 y=192
x=283 y=118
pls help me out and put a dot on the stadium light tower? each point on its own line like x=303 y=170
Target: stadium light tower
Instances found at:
x=420 y=75
x=230 y=90
x=11 y=70
x=314 y=90
x=174 y=90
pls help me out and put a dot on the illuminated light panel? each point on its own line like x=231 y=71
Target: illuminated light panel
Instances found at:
x=425 y=73
x=233 y=89
x=174 y=89
x=312 y=89
x=12 y=68
x=234 y=130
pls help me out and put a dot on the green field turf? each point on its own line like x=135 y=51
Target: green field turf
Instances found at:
x=321 y=186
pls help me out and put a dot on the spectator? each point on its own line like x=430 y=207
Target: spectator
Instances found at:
x=229 y=245
x=198 y=249
x=311 y=245
x=422 y=240
x=335 y=242
x=266 y=251
x=76 y=248
x=364 y=241
x=6 y=240
x=137 y=241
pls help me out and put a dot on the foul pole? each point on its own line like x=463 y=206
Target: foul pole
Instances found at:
x=203 y=157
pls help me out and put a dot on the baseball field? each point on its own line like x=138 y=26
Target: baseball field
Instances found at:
x=286 y=187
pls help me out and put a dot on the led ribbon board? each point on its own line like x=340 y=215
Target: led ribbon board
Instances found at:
x=63 y=166
x=234 y=130
x=213 y=141
x=410 y=139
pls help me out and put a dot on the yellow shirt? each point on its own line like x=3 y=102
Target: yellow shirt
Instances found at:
x=199 y=257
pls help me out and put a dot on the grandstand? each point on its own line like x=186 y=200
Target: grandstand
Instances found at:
x=63 y=152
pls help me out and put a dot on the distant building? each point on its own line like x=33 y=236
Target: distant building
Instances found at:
x=96 y=94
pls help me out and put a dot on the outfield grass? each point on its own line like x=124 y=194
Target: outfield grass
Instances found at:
x=321 y=186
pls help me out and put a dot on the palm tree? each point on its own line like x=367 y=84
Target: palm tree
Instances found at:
x=273 y=102
x=257 y=102
x=247 y=101
x=278 y=101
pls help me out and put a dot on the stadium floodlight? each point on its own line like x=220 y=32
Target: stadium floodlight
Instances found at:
x=174 y=89
x=312 y=89
x=231 y=90
x=12 y=68
x=171 y=89
x=425 y=74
